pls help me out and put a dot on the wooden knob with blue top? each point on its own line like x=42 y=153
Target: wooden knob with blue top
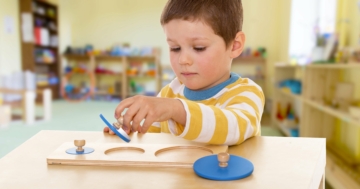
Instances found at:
x=223 y=166
x=79 y=149
x=223 y=159
x=116 y=128
x=79 y=144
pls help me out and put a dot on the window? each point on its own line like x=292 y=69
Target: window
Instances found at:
x=309 y=19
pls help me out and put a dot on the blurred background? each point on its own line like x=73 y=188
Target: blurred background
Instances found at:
x=63 y=62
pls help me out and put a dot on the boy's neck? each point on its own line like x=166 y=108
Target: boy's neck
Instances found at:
x=208 y=93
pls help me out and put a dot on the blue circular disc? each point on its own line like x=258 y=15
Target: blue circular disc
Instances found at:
x=122 y=134
x=208 y=167
x=73 y=151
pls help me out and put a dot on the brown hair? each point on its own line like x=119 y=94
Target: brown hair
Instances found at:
x=225 y=17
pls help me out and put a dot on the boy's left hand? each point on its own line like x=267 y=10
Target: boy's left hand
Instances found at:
x=152 y=109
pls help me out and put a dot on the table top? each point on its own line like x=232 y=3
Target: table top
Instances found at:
x=279 y=162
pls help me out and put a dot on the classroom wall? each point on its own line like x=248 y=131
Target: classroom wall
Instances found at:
x=10 y=60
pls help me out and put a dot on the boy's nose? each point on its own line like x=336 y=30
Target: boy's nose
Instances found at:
x=184 y=58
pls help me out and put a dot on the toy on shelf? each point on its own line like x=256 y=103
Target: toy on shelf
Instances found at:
x=294 y=86
x=116 y=50
x=102 y=70
x=260 y=52
x=46 y=79
x=288 y=120
x=140 y=69
x=279 y=114
x=45 y=56
x=72 y=93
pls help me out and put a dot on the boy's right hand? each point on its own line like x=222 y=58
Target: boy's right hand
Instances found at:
x=108 y=130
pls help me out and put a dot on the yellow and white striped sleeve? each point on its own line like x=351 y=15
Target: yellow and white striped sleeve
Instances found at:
x=235 y=118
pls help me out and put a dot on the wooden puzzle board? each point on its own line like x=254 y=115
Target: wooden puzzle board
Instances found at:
x=138 y=155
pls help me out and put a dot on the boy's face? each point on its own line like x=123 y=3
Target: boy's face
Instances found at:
x=198 y=56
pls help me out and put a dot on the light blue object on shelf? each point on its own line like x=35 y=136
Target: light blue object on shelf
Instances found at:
x=294 y=85
x=294 y=132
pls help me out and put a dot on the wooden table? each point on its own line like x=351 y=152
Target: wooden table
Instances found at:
x=279 y=162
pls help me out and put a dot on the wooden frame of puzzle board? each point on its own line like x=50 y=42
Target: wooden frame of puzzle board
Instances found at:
x=279 y=162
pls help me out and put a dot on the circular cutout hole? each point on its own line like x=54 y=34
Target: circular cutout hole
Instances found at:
x=183 y=153
x=124 y=151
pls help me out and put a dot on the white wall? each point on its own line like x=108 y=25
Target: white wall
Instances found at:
x=10 y=60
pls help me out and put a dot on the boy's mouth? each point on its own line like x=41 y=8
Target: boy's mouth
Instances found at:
x=188 y=73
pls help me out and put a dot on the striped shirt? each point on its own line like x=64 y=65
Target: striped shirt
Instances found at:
x=228 y=113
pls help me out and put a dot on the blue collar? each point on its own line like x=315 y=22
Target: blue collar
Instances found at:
x=208 y=93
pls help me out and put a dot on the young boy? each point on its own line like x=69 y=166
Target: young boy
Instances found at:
x=205 y=102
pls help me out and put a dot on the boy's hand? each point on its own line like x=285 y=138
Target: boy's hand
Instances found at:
x=152 y=109
x=108 y=130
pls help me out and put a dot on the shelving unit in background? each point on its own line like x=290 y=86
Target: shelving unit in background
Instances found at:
x=320 y=120
x=167 y=75
x=282 y=98
x=251 y=67
x=39 y=42
x=122 y=75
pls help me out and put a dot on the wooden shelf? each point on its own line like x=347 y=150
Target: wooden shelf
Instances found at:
x=319 y=120
x=76 y=57
x=106 y=74
x=335 y=66
x=288 y=66
x=103 y=93
x=339 y=174
x=336 y=113
x=249 y=60
x=42 y=2
x=342 y=153
x=285 y=130
x=29 y=56
x=141 y=76
x=113 y=58
x=130 y=58
x=46 y=47
x=46 y=63
x=109 y=58
x=125 y=62
x=322 y=66
x=44 y=16
x=142 y=59
x=292 y=95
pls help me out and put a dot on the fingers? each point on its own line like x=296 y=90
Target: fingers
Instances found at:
x=126 y=129
x=131 y=117
x=107 y=130
x=146 y=125
x=122 y=105
x=138 y=118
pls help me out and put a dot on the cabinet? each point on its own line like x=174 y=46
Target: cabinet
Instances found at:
x=319 y=116
x=127 y=73
x=39 y=43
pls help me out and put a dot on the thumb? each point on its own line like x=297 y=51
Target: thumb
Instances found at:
x=126 y=129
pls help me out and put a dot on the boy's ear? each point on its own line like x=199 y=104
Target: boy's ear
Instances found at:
x=238 y=44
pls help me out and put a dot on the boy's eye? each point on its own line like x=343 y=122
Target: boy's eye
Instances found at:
x=199 y=49
x=175 y=49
